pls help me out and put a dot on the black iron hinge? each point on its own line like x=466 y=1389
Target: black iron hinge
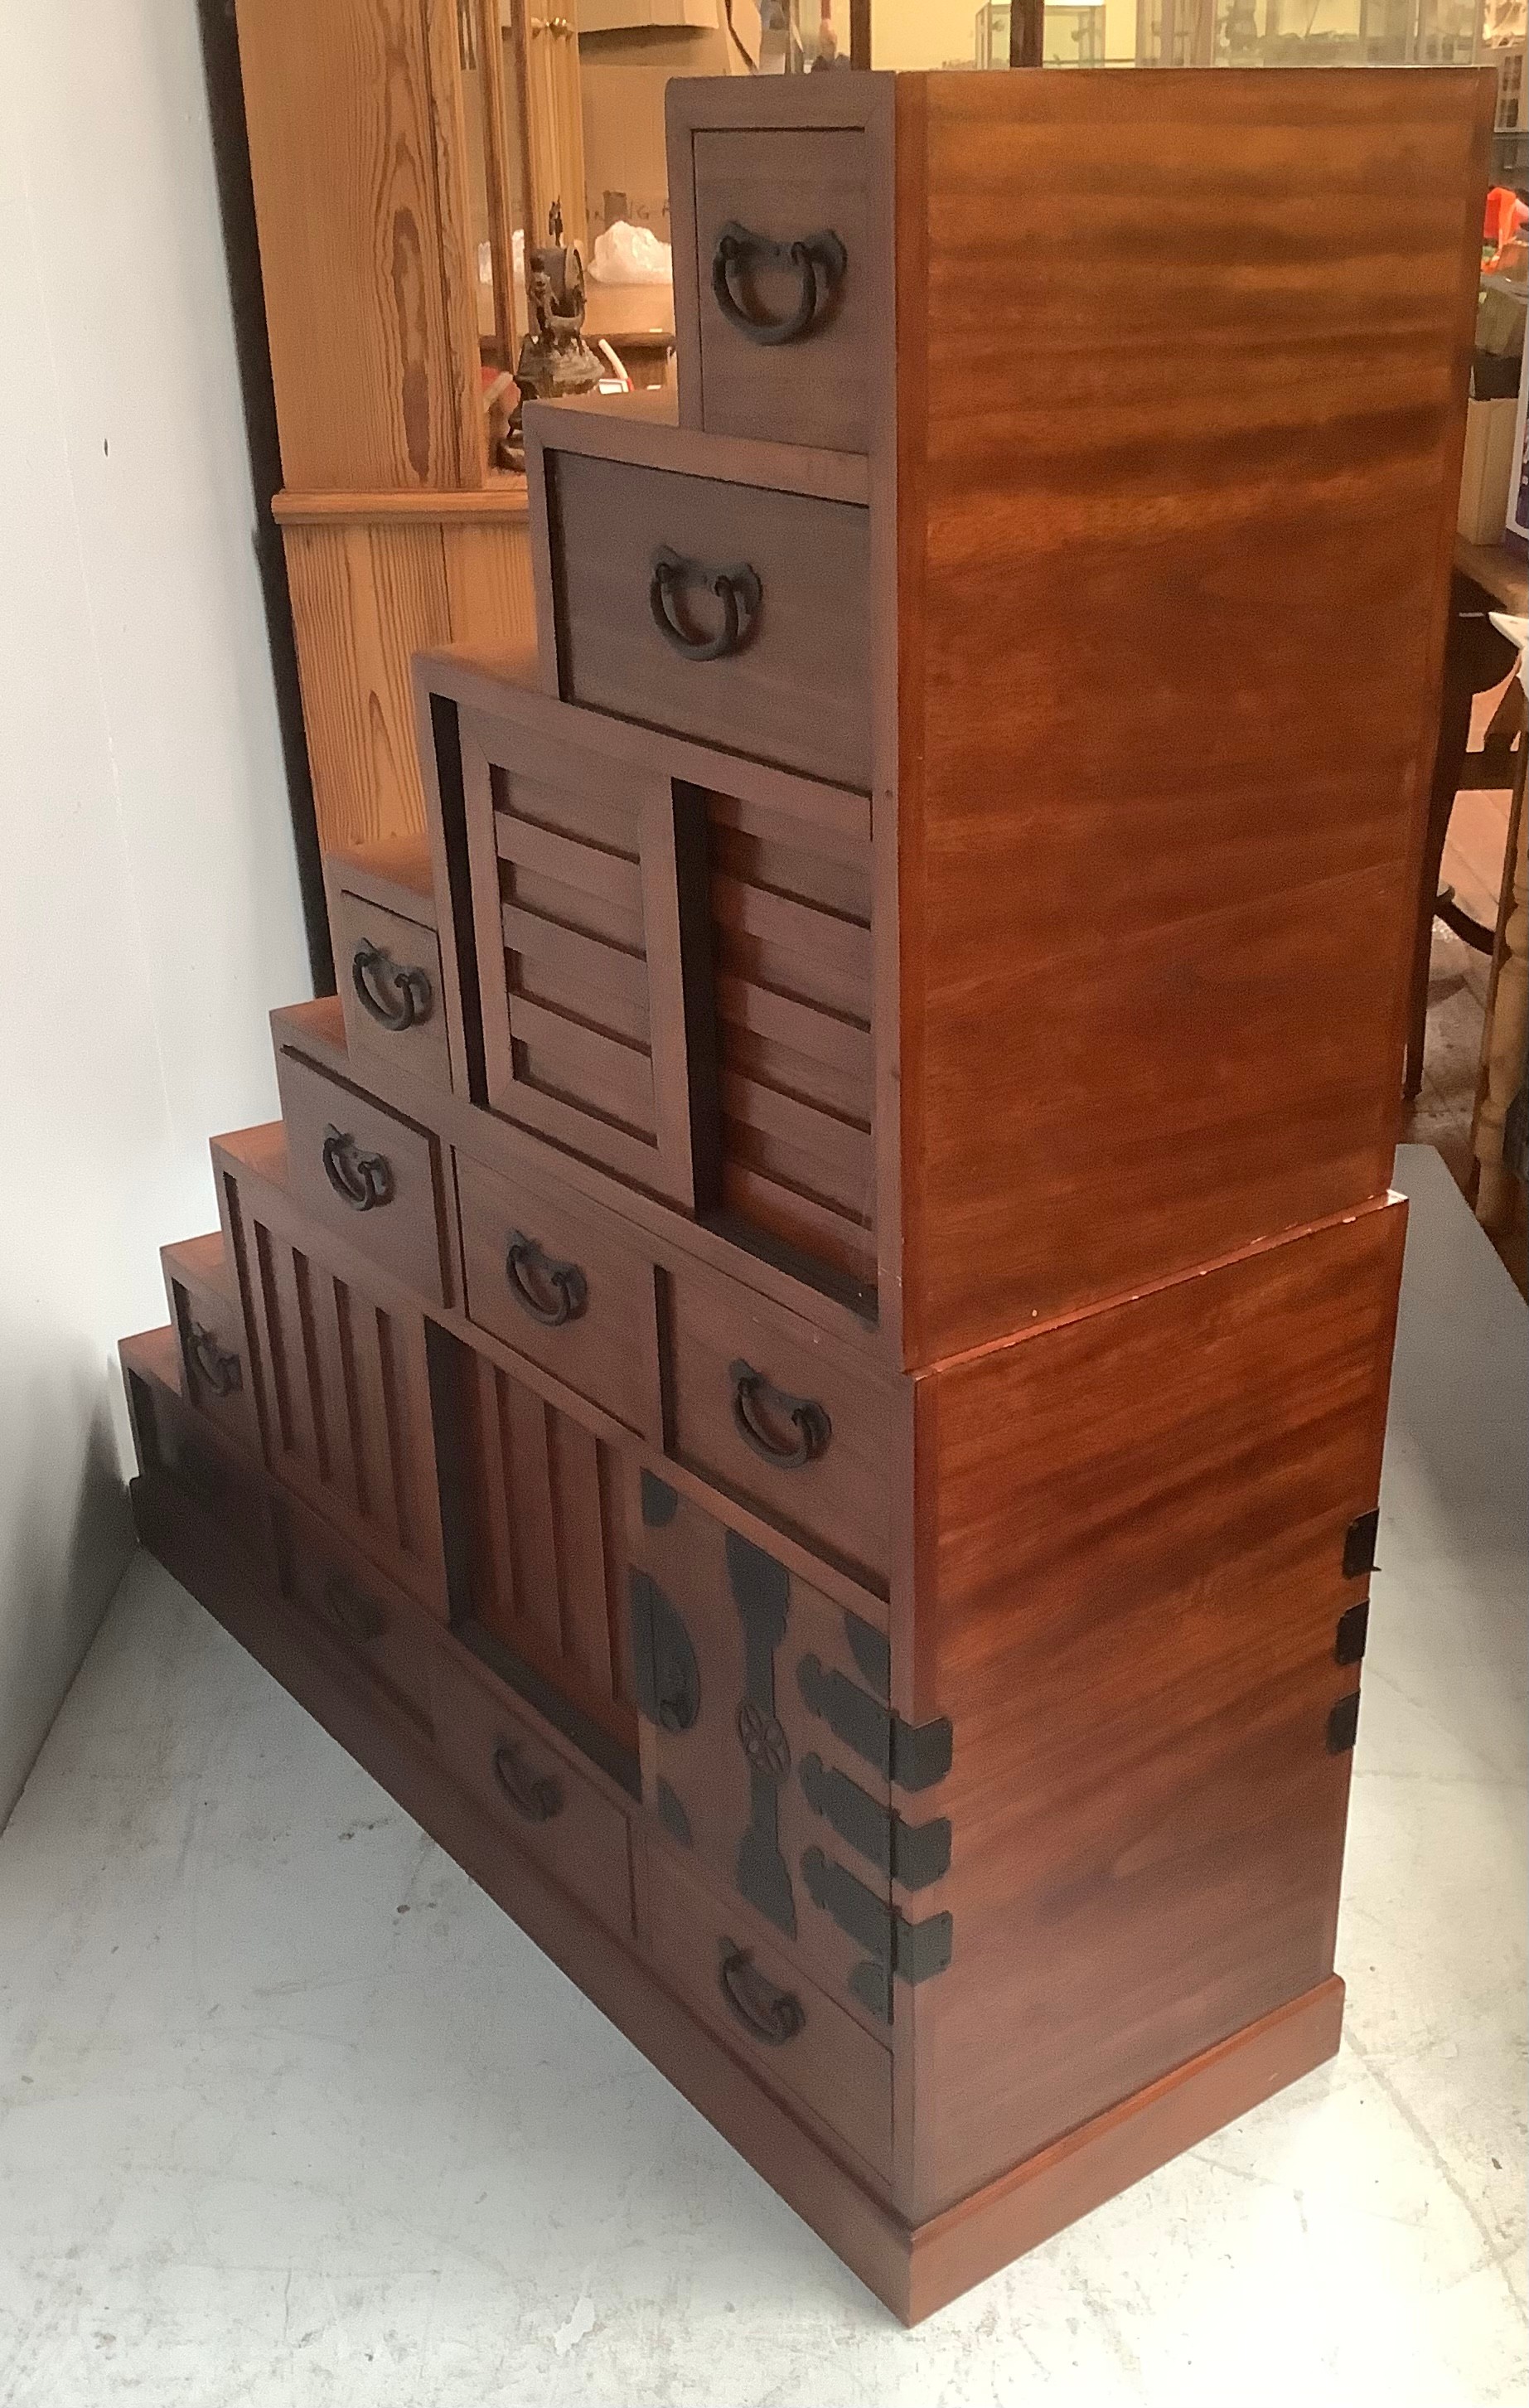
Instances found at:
x=914 y=1755
x=1359 y=1544
x=911 y=1951
x=914 y=1854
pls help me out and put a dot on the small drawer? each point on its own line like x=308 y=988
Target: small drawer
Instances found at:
x=348 y=1607
x=366 y=1174
x=729 y=612
x=560 y=1284
x=536 y=1793
x=787 y=286
x=390 y=982
x=758 y=1404
x=787 y=2031
x=216 y=1374
x=222 y=1480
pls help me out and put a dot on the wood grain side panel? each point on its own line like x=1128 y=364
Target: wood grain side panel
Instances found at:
x=1171 y=580
x=1132 y=1560
x=363 y=600
x=350 y=110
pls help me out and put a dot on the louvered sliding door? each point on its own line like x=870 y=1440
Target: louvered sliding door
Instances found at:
x=575 y=868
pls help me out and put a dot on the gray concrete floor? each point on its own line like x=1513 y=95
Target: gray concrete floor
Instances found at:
x=290 y=2115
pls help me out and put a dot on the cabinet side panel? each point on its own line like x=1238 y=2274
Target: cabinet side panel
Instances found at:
x=1175 y=527
x=1135 y=1573
x=357 y=206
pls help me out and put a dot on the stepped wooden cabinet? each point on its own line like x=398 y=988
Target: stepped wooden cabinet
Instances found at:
x=802 y=1375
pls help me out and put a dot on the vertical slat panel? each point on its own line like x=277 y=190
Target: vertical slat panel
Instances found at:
x=531 y=1514
x=614 y=1548
x=323 y=1294
x=492 y=1490
x=375 y=1483
x=412 y=1507
x=575 y=1461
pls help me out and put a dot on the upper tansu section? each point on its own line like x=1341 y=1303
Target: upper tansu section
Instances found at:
x=1068 y=465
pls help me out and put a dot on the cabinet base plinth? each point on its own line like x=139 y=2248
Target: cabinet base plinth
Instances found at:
x=915 y=2270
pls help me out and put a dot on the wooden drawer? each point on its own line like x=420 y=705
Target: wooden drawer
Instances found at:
x=388 y=968
x=222 y=1479
x=783 y=2026
x=351 y=1611
x=757 y=1403
x=560 y=1284
x=368 y=1175
x=207 y=1317
x=532 y=1787
x=787 y=344
x=768 y=590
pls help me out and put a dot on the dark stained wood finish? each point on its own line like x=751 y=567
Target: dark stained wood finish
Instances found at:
x=608 y=1349
x=216 y=1373
x=344 y=1384
x=543 y=1801
x=362 y=930
x=838 y=1500
x=831 y=2062
x=707 y=1772
x=352 y=1610
x=796 y=692
x=786 y=163
x=409 y=1232
x=222 y=1481
x=540 y=1556
x=915 y=2270
x=1172 y=579
x=1131 y=1536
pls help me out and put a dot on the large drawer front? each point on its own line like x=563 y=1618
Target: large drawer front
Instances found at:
x=785 y=284
x=759 y=1407
x=366 y=1175
x=560 y=1286
x=533 y=1790
x=386 y=1642
x=753 y=636
x=788 y=2033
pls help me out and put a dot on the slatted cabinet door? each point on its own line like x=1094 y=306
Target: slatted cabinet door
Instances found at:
x=343 y=1387
x=537 y=1543
x=581 y=868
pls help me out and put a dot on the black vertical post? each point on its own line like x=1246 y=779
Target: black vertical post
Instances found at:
x=1026 y=19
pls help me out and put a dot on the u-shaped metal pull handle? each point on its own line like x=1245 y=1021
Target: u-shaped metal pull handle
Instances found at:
x=750 y=1392
x=771 y=2014
x=361 y=1180
x=536 y=1797
x=820 y=261
x=531 y=1273
x=396 y=998
x=738 y=589
x=217 y=1365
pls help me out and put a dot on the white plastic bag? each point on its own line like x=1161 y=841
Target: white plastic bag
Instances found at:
x=629 y=254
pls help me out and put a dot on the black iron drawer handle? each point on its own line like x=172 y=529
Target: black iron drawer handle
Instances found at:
x=768 y=2014
x=397 y=998
x=750 y=1392
x=531 y=1273
x=353 y=1613
x=736 y=589
x=221 y=1369
x=820 y=261
x=361 y=1180
x=536 y=1797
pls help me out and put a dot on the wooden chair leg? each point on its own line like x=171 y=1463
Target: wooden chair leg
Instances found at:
x=1454 y=736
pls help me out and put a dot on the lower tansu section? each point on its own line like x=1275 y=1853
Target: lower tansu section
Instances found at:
x=958 y=1901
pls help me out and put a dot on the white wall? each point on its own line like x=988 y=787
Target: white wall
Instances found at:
x=149 y=906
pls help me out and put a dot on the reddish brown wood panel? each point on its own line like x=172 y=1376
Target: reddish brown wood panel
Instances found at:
x=345 y=1393
x=545 y=1536
x=790 y=915
x=1172 y=578
x=1134 y=1531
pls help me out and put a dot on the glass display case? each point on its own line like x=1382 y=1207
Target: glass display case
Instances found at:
x=1072 y=36
x=1309 y=33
